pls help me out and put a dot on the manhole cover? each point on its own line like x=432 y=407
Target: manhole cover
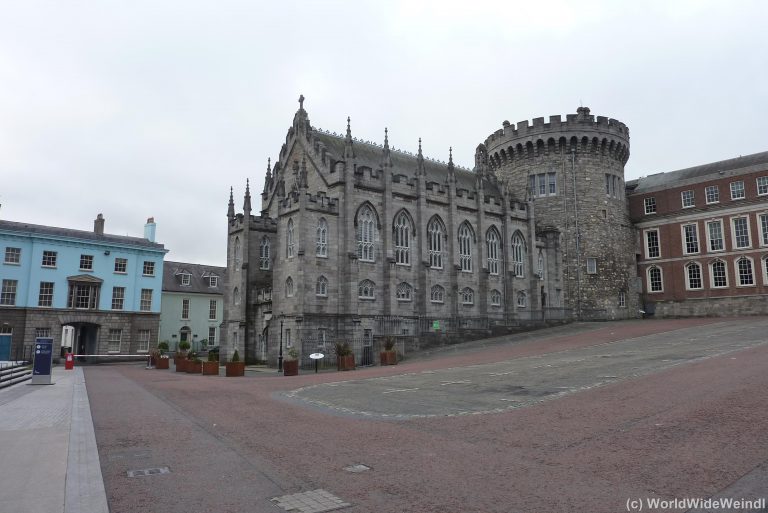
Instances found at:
x=357 y=467
x=315 y=501
x=149 y=472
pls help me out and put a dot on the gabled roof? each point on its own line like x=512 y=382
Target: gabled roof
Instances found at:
x=198 y=283
x=697 y=173
x=52 y=231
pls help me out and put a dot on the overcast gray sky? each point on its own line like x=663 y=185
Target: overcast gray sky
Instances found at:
x=154 y=108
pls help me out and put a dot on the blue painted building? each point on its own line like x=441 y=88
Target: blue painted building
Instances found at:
x=97 y=292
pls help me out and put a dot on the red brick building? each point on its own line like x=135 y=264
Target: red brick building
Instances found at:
x=703 y=238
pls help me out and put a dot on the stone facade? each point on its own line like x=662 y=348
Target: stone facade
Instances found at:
x=357 y=240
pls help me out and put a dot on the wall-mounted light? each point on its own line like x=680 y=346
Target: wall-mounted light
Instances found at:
x=106 y=252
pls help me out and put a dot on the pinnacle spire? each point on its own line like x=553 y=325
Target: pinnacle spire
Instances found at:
x=247 y=202
x=349 y=151
x=268 y=178
x=386 y=158
x=231 y=209
x=451 y=173
x=420 y=161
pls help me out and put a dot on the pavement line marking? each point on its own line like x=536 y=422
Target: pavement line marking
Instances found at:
x=460 y=382
x=393 y=390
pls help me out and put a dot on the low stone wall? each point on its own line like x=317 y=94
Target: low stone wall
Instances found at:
x=714 y=307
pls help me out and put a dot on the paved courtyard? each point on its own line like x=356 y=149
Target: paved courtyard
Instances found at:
x=580 y=418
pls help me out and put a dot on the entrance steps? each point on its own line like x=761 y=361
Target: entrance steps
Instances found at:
x=14 y=373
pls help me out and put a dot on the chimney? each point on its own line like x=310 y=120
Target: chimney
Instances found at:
x=98 y=224
x=149 y=229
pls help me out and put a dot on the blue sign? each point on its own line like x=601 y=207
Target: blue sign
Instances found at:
x=41 y=367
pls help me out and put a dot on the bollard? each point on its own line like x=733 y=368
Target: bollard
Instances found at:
x=69 y=362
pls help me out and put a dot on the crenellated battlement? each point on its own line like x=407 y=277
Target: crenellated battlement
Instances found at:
x=322 y=202
x=580 y=133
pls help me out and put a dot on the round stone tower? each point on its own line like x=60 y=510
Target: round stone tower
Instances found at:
x=572 y=170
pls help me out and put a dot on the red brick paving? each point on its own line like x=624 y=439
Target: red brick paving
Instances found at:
x=687 y=431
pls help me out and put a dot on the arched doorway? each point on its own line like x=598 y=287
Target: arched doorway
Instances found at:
x=185 y=335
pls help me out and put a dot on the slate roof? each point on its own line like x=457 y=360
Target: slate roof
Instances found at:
x=696 y=173
x=368 y=154
x=52 y=231
x=198 y=283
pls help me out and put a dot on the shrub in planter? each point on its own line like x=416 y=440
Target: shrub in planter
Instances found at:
x=162 y=361
x=291 y=363
x=235 y=367
x=345 y=358
x=181 y=353
x=389 y=355
x=211 y=367
x=194 y=365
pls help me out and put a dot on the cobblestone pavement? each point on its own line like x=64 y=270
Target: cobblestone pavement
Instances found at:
x=692 y=426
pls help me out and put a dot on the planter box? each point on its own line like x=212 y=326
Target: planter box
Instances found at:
x=181 y=365
x=345 y=363
x=194 y=368
x=388 y=357
x=163 y=363
x=235 y=369
x=210 y=368
x=291 y=368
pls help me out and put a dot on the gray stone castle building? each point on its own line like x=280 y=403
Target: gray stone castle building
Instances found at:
x=356 y=240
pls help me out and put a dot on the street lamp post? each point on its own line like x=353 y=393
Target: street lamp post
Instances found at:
x=280 y=355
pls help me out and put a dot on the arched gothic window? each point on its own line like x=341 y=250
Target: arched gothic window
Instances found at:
x=264 y=254
x=541 y=265
x=435 y=234
x=493 y=243
x=238 y=256
x=236 y=296
x=437 y=294
x=321 y=243
x=522 y=299
x=518 y=255
x=402 y=238
x=290 y=243
x=467 y=296
x=495 y=298
x=466 y=240
x=366 y=289
x=366 y=233
x=289 y=287
x=321 y=287
x=404 y=292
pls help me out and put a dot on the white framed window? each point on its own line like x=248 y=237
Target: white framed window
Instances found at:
x=113 y=342
x=492 y=242
x=622 y=303
x=762 y=185
x=145 y=304
x=121 y=265
x=437 y=294
x=185 y=309
x=650 y=205
x=687 y=199
x=86 y=262
x=693 y=276
x=264 y=248
x=745 y=273
x=143 y=338
x=404 y=292
x=213 y=307
x=321 y=238
x=435 y=234
x=712 y=194
x=591 y=265
x=149 y=268
x=402 y=239
x=466 y=240
x=211 y=336
x=12 y=256
x=45 y=298
x=518 y=255
x=718 y=274
x=741 y=235
x=552 y=181
x=765 y=270
x=186 y=279
x=467 y=296
x=289 y=287
x=737 y=190
x=495 y=298
x=213 y=281
x=366 y=289
x=690 y=238
x=522 y=299
x=715 y=235
x=542 y=184
x=42 y=333
x=763 y=229
x=49 y=258
x=290 y=243
x=321 y=287
x=83 y=296
x=655 y=279
x=8 y=292
x=366 y=234
x=652 y=247
x=118 y=298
